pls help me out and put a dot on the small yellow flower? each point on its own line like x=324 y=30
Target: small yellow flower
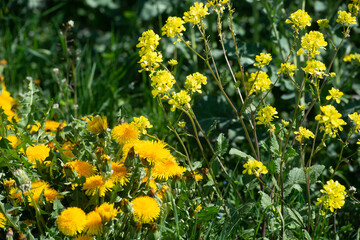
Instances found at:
x=261 y=82
x=146 y=209
x=299 y=20
x=162 y=82
x=315 y=68
x=96 y=184
x=193 y=82
x=71 y=221
x=287 y=68
x=181 y=124
x=254 y=167
x=172 y=62
x=262 y=60
x=345 y=18
x=179 y=100
x=142 y=123
x=312 y=42
x=285 y=123
x=148 y=42
x=355 y=118
x=14 y=141
x=331 y=120
x=196 y=13
x=303 y=133
x=333 y=195
x=174 y=26
x=266 y=115
x=335 y=94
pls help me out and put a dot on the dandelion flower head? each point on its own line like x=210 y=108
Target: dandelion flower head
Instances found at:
x=120 y=174
x=107 y=211
x=97 y=124
x=93 y=224
x=71 y=221
x=37 y=153
x=2 y=220
x=96 y=184
x=146 y=209
x=125 y=133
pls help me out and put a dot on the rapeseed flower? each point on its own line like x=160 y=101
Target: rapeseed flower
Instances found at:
x=125 y=133
x=261 y=82
x=303 y=133
x=299 y=20
x=312 y=42
x=345 y=18
x=107 y=211
x=142 y=123
x=193 y=82
x=148 y=42
x=266 y=115
x=355 y=118
x=331 y=120
x=335 y=94
x=287 y=68
x=97 y=124
x=179 y=100
x=150 y=61
x=71 y=221
x=93 y=225
x=162 y=82
x=262 y=60
x=174 y=26
x=146 y=209
x=37 y=153
x=254 y=167
x=172 y=62
x=96 y=184
x=315 y=68
x=196 y=13
x=323 y=23
x=333 y=195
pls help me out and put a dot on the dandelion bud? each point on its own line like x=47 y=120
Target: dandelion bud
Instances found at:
x=153 y=226
x=125 y=206
x=22 y=236
x=69 y=171
x=151 y=193
x=22 y=180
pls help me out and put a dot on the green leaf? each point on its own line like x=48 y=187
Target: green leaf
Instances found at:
x=315 y=172
x=295 y=216
x=296 y=176
x=265 y=200
x=290 y=153
x=221 y=145
x=274 y=146
x=207 y=214
x=241 y=154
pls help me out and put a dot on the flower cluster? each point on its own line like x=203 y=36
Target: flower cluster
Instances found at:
x=142 y=123
x=303 y=133
x=315 y=68
x=193 y=82
x=345 y=18
x=311 y=43
x=150 y=58
x=288 y=69
x=180 y=99
x=174 y=26
x=262 y=60
x=331 y=120
x=333 y=195
x=260 y=82
x=299 y=20
x=355 y=118
x=254 y=167
x=266 y=115
x=196 y=13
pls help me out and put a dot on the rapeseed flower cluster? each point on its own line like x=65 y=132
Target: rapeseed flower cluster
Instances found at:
x=254 y=167
x=312 y=42
x=150 y=58
x=299 y=20
x=345 y=18
x=266 y=115
x=287 y=69
x=315 y=68
x=260 y=82
x=355 y=118
x=174 y=26
x=196 y=13
x=334 y=94
x=262 y=60
x=331 y=120
x=333 y=195
x=303 y=133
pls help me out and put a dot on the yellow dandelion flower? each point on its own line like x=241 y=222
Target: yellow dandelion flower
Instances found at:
x=71 y=221
x=67 y=148
x=96 y=184
x=37 y=153
x=107 y=211
x=166 y=169
x=38 y=187
x=97 y=124
x=125 y=133
x=146 y=209
x=120 y=173
x=93 y=224
x=83 y=168
x=2 y=220
x=152 y=151
x=51 y=126
x=14 y=141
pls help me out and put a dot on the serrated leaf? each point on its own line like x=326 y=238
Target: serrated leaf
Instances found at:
x=265 y=200
x=221 y=145
x=296 y=176
x=290 y=153
x=241 y=154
